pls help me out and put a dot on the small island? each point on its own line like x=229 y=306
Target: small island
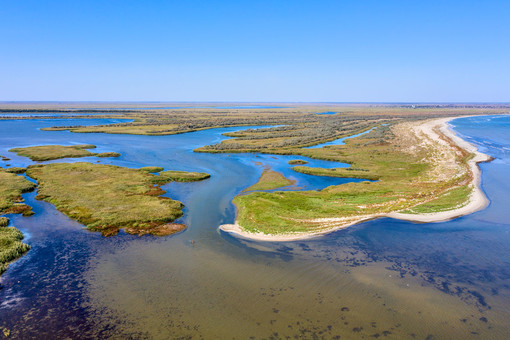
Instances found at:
x=297 y=162
x=11 y=188
x=50 y=152
x=104 y=198
x=270 y=180
x=11 y=202
x=107 y=198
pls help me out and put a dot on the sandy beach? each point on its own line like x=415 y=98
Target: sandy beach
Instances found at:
x=426 y=131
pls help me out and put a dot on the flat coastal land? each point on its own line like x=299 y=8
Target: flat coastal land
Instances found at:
x=435 y=135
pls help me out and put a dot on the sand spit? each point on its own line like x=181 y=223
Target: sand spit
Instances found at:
x=426 y=131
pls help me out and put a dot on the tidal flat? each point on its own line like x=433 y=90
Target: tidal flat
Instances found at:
x=382 y=278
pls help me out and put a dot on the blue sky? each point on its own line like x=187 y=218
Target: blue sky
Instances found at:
x=263 y=51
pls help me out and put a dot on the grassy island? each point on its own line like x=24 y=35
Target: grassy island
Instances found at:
x=297 y=162
x=107 y=198
x=269 y=180
x=11 y=246
x=181 y=176
x=50 y=152
x=420 y=169
x=11 y=188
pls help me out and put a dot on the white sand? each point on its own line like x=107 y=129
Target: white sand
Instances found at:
x=477 y=200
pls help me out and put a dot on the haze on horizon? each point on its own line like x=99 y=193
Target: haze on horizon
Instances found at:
x=264 y=51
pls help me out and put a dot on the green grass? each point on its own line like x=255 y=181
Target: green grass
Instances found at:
x=180 y=176
x=270 y=180
x=11 y=246
x=152 y=169
x=11 y=188
x=337 y=172
x=50 y=152
x=297 y=162
x=107 y=198
x=4 y=221
x=456 y=197
x=400 y=186
x=16 y=170
x=107 y=154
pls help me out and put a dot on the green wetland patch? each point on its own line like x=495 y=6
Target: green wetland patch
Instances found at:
x=269 y=180
x=49 y=152
x=11 y=188
x=11 y=246
x=410 y=174
x=107 y=198
x=297 y=162
x=11 y=202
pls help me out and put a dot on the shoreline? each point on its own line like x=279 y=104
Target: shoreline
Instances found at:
x=477 y=200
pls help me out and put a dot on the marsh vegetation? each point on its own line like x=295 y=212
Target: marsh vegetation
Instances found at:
x=11 y=202
x=297 y=162
x=305 y=126
x=50 y=152
x=405 y=172
x=270 y=180
x=11 y=246
x=11 y=188
x=411 y=173
x=107 y=198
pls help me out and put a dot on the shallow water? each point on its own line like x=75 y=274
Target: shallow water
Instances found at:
x=382 y=278
x=340 y=141
x=327 y=113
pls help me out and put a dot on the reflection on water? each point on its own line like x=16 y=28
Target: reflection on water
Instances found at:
x=382 y=278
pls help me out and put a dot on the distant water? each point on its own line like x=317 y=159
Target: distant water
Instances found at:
x=327 y=113
x=381 y=279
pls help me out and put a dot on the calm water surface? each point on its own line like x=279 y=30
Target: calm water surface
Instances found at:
x=383 y=279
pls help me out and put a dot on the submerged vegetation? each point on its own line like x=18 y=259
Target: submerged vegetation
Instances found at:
x=50 y=152
x=270 y=180
x=107 y=198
